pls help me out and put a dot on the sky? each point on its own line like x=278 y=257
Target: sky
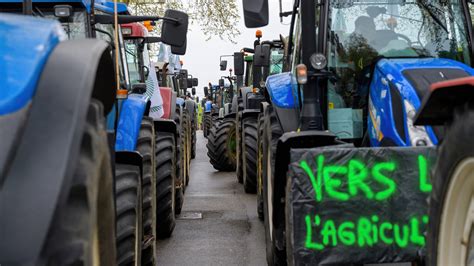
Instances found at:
x=202 y=57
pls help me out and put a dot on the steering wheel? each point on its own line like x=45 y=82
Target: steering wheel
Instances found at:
x=405 y=38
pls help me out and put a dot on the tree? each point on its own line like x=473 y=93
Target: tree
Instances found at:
x=216 y=18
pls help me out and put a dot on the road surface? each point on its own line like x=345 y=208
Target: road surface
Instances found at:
x=229 y=232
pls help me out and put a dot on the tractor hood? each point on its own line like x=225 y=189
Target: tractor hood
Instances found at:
x=25 y=45
x=418 y=74
x=24 y=49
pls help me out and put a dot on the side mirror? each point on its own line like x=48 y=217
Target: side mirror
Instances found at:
x=206 y=91
x=255 y=13
x=183 y=83
x=175 y=28
x=189 y=83
x=195 y=82
x=221 y=82
x=193 y=91
x=239 y=64
x=184 y=73
x=261 y=57
x=179 y=50
x=139 y=88
x=223 y=65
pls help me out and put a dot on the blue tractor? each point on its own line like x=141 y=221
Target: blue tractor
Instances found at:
x=369 y=85
x=57 y=181
x=130 y=131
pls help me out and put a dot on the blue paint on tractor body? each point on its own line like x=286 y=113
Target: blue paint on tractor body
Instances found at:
x=380 y=123
x=26 y=46
x=129 y=122
x=283 y=90
x=208 y=106
x=180 y=101
x=108 y=7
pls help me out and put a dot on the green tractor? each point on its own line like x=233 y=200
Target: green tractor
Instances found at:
x=269 y=55
x=221 y=145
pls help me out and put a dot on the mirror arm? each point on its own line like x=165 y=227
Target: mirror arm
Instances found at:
x=123 y=19
x=286 y=14
x=152 y=39
x=248 y=50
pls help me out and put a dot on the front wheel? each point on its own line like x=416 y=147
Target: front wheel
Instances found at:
x=451 y=211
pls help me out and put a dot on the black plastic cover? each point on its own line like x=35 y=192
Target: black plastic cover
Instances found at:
x=422 y=78
x=405 y=206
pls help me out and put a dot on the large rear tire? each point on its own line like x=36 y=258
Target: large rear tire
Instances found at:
x=193 y=139
x=187 y=144
x=165 y=184
x=179 y=184
x=146 y=147
x=260 y=126
x=129 y=214
x=89 y=205
x=239 y=165
x=249 y=154
x=221 y=146
x=272 y=132
x=207 y=124
x=451 y=210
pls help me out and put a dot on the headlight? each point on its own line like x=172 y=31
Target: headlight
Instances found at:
x=418 y=135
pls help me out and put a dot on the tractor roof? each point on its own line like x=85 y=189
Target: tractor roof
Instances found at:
x=105 y=6
x=85 y=3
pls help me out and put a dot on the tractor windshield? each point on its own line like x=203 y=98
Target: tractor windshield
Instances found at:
x=364 y=30
x=276 y=61
x=131 y=50
x=75 y=26
x=106 y=33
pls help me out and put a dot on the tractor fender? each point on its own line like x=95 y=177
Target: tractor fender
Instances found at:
x=244 y=93
x=288 y=141
x=439 y=104
x=250 y=113
x=235 y=105
x=191 y=106
x=47 y=153
x=129 y=122
x=166 y=125
x=129 y=157
x=231 y=115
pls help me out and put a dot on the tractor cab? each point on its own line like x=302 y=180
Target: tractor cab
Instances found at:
x=381 y=57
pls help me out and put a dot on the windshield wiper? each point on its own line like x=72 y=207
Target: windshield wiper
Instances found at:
x=433 y=16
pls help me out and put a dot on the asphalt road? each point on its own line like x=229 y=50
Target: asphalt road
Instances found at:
x=229 y=232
